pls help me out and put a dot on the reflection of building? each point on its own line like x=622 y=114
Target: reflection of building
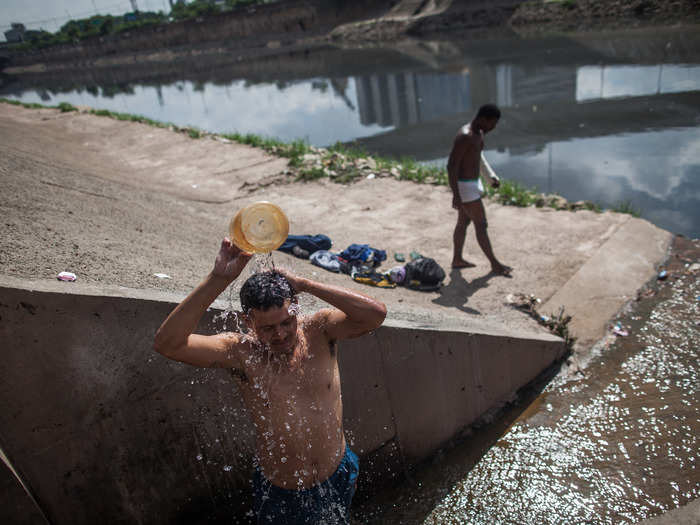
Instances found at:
x=400 y=99
x=601 y=82
x=541 y=103
x=408 y=98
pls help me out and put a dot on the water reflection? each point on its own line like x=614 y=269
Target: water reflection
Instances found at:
x=615 y=447
x=608 y=118
x=599 y=82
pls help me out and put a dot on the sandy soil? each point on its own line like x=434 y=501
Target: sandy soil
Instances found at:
x=116 y=202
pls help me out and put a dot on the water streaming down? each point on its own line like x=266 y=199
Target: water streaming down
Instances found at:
x=296 y=427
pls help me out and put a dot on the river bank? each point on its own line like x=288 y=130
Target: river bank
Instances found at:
x=276 y=29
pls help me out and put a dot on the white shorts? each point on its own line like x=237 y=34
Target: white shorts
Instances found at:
x=470 y=190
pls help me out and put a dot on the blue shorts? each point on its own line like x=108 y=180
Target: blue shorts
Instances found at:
x=327 y=502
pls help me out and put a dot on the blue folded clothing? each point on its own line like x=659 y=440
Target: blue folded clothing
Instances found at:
x=363 y=253
x=310 y=243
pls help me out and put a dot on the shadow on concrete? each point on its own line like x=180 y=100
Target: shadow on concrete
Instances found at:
x=413 y=496
x=457 y=293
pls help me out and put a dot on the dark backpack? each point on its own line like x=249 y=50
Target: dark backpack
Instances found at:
x=424 y=270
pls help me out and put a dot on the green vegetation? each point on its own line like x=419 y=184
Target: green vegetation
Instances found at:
x=65 y=107
x=75 y=31
x=512 y=194
x=346 y=164
x=626 y=207
x=558 y=323
x=199 y=8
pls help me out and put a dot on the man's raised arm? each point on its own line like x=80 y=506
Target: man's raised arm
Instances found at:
x=175 y=340
x=356 y=313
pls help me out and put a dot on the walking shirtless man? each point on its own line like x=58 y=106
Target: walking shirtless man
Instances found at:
x=463 y=168
x=288 y=376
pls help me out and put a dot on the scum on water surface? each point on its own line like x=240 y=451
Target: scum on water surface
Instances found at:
x=616 y=444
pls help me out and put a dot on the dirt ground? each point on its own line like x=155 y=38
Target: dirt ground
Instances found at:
x=115 y=202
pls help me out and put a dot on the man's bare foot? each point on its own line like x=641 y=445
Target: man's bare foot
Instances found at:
x=501 y=269
x=461 y=263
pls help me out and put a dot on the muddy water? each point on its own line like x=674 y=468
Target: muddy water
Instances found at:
x=616 y=443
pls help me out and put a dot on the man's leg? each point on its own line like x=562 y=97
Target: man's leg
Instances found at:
x=458 y=238
x=476 y=212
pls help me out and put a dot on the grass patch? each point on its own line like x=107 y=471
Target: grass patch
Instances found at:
x=294 y=150
x=512 y=193
x=309 y=174
x=65 y=107
x=592 y=206
x=128 y=117
x=626 y=207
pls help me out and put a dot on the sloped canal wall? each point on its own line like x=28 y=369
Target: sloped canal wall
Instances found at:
x=102 y=429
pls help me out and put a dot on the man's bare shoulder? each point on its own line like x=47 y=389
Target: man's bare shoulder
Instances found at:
x=466 y=135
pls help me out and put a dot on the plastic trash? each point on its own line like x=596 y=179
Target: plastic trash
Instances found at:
x=618 y=329
x=662 y=275
x=397 y=274
x=371 y=176
x=162 y=276
x=67 y=276
x=415 y=255
x=399 y=257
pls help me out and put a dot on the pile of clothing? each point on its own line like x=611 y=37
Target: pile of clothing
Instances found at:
x=361 y=262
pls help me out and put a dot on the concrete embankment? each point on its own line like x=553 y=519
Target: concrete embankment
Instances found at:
x=100 y=428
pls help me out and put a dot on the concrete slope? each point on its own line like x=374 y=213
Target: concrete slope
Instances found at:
x=142 y=156
x=687 y=515
x=102 y=429
x=610 y=277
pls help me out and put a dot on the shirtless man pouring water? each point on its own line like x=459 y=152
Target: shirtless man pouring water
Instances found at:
x=463 y=170
x=289 y=379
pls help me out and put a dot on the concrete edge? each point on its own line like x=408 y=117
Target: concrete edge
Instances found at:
x=610 y=278
x=98 y=290
x=689 y=514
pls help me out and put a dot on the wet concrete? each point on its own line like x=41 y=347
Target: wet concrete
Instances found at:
x=617 y=443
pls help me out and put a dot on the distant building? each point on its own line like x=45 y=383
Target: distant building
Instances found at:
x=16 y=34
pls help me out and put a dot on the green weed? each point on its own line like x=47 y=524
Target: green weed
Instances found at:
x=65 y=107
x=626 y=207
x=513 y=194
x=309 y=174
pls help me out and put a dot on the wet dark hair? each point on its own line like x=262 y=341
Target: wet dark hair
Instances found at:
x=489 y=111
x=264 y=290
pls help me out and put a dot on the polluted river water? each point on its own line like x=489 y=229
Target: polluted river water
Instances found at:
x=615 y=442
